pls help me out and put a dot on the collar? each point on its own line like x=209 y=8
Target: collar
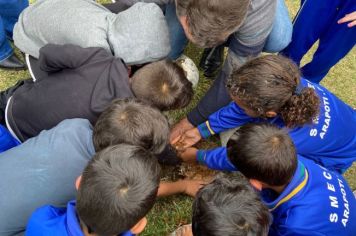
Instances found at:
x=73 y=225
x=298 y=182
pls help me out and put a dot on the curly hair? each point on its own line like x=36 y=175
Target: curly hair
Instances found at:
x=272 y=83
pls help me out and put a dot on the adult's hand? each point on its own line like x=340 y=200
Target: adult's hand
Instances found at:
x=188 y=139
x=349 y=18
x=179 y=129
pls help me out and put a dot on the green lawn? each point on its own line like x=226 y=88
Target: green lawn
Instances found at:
x=170 y=212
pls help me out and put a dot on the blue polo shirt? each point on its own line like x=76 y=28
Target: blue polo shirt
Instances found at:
x=6 y=140
x=330 y=140
x=316 y=202
x=52 y=221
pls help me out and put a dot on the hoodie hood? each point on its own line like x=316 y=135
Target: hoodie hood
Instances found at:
x=139 y=34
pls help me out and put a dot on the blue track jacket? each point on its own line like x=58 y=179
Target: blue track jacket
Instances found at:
x=316 y=202
x=6 y=140
x=52 y=221
x=330 y=140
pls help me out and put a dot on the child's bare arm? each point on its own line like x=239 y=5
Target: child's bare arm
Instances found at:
x=189 y=187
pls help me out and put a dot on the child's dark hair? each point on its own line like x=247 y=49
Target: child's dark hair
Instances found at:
x=211 y=21
x=272 y=83
x=263 y=152
x=229 y=206
x=118 y=188
x=134 y=122
x=163 y=84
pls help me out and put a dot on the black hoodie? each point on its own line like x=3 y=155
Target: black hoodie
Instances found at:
x=68 y=82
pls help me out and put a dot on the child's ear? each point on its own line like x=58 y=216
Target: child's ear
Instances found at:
x=256 y=184
x=139 y=227
x=271 y=114
x=77 y=182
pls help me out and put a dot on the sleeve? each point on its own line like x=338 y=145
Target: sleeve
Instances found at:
x=251 y=37
x=217 y=96
x=215 y=159
x=228 y=117
x=57 y=57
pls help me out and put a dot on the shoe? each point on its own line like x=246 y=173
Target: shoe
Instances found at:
x=12 y=63
x=211 y=61
x=190 y=69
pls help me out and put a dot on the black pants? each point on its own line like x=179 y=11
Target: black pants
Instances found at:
x=4 y=97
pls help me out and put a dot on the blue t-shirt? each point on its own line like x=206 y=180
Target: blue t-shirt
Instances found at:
x=6 y=140
x=53 y=221
x=316 y=202
x=330 y=140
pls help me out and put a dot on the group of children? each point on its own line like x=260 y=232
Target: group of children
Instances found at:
x=87 y=129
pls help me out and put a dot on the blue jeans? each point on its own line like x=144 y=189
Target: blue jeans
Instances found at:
x=317 y=20
x=281 y=34
x=278 y=39
x=9 y=13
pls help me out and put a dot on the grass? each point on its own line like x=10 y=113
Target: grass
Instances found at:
x=173 y=211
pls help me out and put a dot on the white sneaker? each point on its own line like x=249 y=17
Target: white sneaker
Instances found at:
x=190 y=69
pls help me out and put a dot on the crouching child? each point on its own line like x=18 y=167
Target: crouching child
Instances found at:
x=117 y=189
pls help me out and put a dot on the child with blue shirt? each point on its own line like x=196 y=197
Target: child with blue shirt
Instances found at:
x=270 y=89
x=117 y=189
x=227 y=206
x=303 y=197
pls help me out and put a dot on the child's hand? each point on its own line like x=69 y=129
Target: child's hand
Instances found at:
x=188 y=155
x=193 y=186
x=349 y=18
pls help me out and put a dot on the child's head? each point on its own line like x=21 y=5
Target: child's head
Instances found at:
x=134 y=122
x=162 y=84
x=209 y=23
x=270 y=84
x=229 y=206
x=263 y=152
x=117 y=189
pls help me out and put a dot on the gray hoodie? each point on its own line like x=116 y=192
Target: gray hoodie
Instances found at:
x=137 y=35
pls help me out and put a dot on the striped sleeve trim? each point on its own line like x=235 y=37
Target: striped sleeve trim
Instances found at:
x=205 y=129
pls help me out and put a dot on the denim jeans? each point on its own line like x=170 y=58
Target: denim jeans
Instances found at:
x=176 y=33
x=278 y=39
x=9 y=13
x=281 y=34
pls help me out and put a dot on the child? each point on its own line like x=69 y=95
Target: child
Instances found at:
x=40 y=171
x=6 y=140
x=137 y=35
x=117 y=189
x=304 y=198
x=227 y=206
x=269 y=89
x=75 y=82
